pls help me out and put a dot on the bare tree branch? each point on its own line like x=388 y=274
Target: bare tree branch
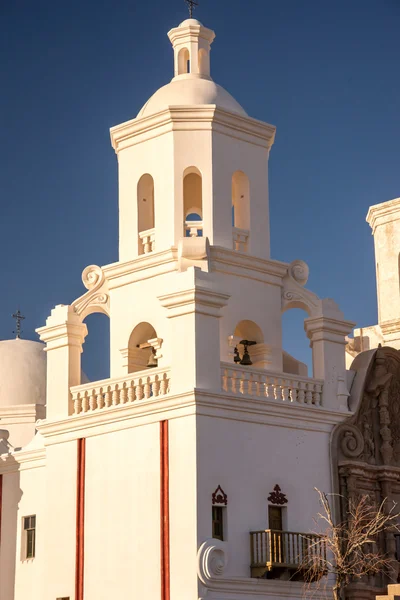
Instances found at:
x=348 y=550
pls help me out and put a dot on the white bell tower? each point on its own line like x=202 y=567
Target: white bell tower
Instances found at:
x=193 y=163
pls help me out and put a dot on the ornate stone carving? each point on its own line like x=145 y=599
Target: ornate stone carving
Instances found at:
x=219 y=498
x=293 y=293
x=352 y=442
x=97 y=298
x=212 y=560
x=277 y=496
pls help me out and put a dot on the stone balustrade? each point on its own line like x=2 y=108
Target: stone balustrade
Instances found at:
x=108 y=393
x=194 y=228
x=240 y=239
x=148 y=238
x=284 y=387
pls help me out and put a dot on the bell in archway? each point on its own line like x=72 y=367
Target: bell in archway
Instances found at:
x=152 y=362
x=246 y=360
x=236 y=355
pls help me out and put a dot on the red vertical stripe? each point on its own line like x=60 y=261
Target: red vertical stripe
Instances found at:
x=164 y=503
x=80 y=520
x=1 y=502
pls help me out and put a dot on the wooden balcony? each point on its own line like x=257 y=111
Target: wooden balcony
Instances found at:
x=275 y=551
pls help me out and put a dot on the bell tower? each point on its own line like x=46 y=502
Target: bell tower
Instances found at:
x=192 y=163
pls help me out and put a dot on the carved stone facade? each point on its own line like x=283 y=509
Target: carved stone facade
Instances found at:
x=366 y=449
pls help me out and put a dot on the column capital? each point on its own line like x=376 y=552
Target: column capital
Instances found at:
x=196 y=299
x=327 y=329
x=63 y=328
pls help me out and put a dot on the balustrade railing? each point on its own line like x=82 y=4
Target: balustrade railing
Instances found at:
x=193 y=228
x=271 y=549
x=100 y=395
x=240 y=239
x=274 y=386
x=148 y=239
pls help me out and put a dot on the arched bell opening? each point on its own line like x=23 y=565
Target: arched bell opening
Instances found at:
x=193 y=202
x=142 y=348
x=146 y=217
x=95 y=358
x=248 y=344
x=240 y=211
x=296 y=351
x=183 y=61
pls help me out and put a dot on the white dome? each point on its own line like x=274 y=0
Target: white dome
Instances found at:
x=22 y=373
x=188 y=91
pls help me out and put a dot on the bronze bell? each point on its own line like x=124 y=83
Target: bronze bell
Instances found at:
x=246 y=360
x=152 y=362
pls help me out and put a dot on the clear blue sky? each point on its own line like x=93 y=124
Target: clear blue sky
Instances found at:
x=325 y=73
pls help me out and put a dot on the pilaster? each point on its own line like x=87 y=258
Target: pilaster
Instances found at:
x=194 y=313
x=64 y=335
x=328 y=340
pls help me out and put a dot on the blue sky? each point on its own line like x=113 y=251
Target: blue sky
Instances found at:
x=326 y=74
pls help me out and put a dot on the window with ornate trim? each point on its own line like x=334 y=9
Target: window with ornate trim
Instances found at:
x=29 y=537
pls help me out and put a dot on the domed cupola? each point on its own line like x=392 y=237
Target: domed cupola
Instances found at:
x=192 y=164
x=22 y=373
x=192 y=83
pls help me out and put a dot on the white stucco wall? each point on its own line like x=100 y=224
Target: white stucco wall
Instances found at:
x=122 y=514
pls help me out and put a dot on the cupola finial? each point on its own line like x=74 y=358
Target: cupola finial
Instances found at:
x=191 y=4
x=18 y=317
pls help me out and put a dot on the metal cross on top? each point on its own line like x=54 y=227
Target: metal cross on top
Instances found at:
x=18 y=317
x=191 y=4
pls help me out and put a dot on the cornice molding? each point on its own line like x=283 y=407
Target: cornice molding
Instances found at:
x=326 y=328
x=197 y=402
x=192 y=118
x=383 y=213
x=197 y=300
x=22 y=460
x=390 y=327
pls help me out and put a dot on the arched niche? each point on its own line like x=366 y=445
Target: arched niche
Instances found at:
x=296 y=351
x=249 y=330
x=183 y=61
x=139 y=349
x=95 y=358
x=145 y=204
x=241 y=210
x=193 y=202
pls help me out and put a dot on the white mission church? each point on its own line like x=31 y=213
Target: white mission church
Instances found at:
x=190 y=475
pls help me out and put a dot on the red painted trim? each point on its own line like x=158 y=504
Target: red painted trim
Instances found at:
x=164 y=504
x=1 y=503
x=80 y=519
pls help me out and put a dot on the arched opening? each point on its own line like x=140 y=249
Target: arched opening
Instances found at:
x=203 y=62
x=145 y=202
x=141 y=354
x=253 y=353
x=183 y=61
x=296 y=351
x=96 y=349
x=193 y=202
x=240 y=210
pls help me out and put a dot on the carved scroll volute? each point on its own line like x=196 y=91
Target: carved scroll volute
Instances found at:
x=212 y=561
x=293 y=294
x=351 y=442
x=97 y=298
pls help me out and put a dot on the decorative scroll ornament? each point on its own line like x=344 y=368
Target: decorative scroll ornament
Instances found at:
x=277 y=496
x=352 y=441
x=97 y=298
x=293 y=293
x=219 y=498
x=212 y=560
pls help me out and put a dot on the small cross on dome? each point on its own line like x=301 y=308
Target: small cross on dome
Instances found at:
x=18 y=316
x=191 y=4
